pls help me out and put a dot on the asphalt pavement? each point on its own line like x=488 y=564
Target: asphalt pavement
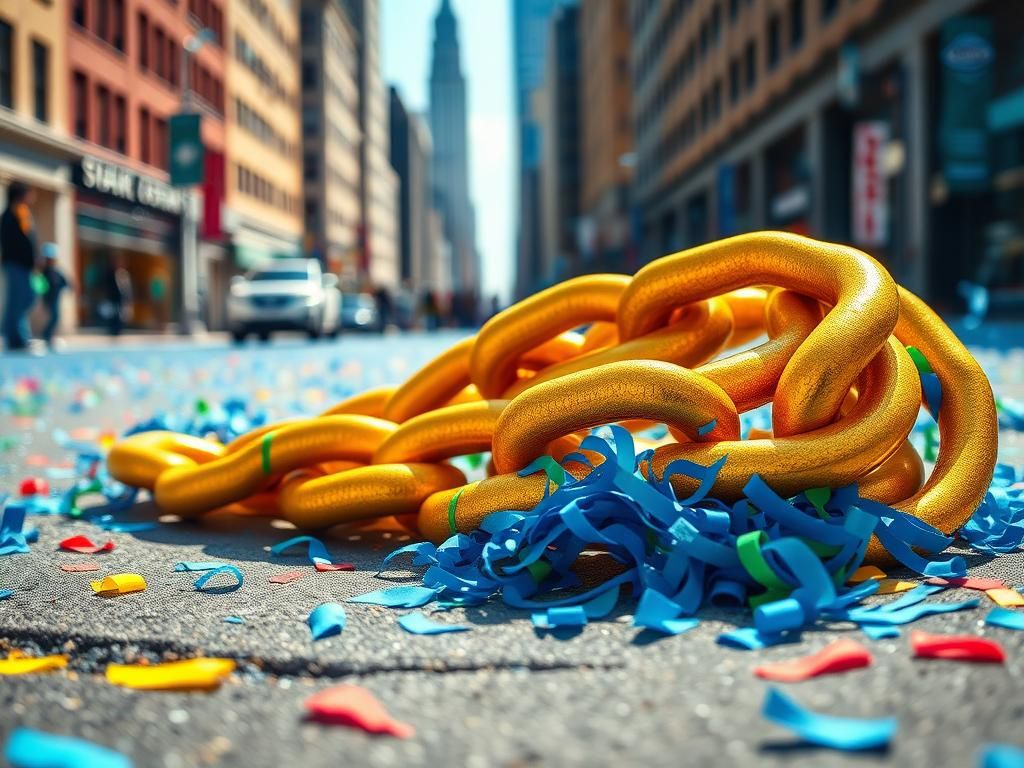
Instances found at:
x=501 y=694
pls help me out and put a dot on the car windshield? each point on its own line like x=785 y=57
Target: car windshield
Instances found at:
x=270 y=274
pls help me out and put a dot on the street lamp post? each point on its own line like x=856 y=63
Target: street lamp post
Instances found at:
x=190 y=321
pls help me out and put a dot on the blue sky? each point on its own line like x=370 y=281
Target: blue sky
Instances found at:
x=407 y=31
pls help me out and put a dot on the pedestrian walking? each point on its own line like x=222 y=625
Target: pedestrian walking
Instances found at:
x=18 y=257
x=56 y=282
x=118 y=301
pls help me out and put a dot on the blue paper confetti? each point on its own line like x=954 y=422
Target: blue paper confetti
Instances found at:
x=418 y=624
x=657 y=612
x=1001 y=756
x=843 y=733
x=27 y=748
x=13 y=538
x=880 y=631
x=397 y=597
x=185 y=567
x=5 y=593
x=560 y=617
x=316 y=550
x=749 y=639
x=327 y=620
x=1005 y=618
x=231 y=570
x=234 y=620
x=909 y=614
x=997 y=526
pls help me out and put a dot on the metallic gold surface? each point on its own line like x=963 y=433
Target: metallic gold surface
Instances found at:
x=844 y=393
x=816 y=379
x=833 y=455
x=636 y=389
x=695 y=338
x=376 y=491
x=525 y=326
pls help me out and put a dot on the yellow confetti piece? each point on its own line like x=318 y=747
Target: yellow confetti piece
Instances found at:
x=193 y=674
x=119 y=584
x=18 y=663
x=892 y=586
x=1007 y=598
x=865 y=573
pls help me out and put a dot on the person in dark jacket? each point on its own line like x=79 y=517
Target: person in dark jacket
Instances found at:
x=56 y=282
x=18 y=257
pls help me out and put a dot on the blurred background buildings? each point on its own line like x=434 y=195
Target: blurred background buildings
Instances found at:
x=641 y=127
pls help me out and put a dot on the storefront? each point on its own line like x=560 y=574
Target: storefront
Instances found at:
x=788 y=176
x=127 y=220
x=976 y=185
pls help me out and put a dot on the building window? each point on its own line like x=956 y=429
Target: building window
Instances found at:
x=78 y=12
x=80 y=94
x=101 y=19
x=734 y=9
x=6 y=65
x=158 y=52
x=143 y=41
x=120 y=125
x=734 y=80
x=828 y=9
x=145 y=137
x=103 y=115
x=160 y=157
x=716 y=24
x=774 y=33
x=117 y=24
x=796 y=24
x=750 y=57
x=40 y=74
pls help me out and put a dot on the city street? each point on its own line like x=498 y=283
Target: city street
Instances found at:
x=500 y=694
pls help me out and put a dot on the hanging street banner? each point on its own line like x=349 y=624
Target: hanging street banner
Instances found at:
x=870 y=185
x=186 y=149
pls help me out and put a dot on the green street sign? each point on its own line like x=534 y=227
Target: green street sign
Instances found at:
x=186 y=149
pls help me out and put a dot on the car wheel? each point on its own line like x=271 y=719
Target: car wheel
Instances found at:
x=238 y=335
x=313 y=334
x=263 y=336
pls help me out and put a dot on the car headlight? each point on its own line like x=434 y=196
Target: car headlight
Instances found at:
x=362 y=316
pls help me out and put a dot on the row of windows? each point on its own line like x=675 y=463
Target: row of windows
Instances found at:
x=263 y=16
x=40 y=64
x=249 y=119
x=688 y=62
x=311 y=165
x=256 y=186
x=334 y=216
x=101 y=116
x=255 y=64
x=157 y=51
x=209 y=16
x=104 y=18
x=203 y=83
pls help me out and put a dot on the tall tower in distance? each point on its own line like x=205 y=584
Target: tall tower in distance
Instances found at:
x=450 y=165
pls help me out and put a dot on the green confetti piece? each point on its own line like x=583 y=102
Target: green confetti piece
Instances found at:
x=539 y=570
x=819 y=498
x=554 y=470
x=202 y=407
x=451 y=511
x=267 y=438
x=475 y=460
x=931 y=442
x=923 y=366
x=748 y=547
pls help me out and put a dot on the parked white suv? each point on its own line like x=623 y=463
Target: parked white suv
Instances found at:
x=285 y=294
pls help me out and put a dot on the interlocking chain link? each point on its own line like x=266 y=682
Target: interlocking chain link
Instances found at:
x=845 y=395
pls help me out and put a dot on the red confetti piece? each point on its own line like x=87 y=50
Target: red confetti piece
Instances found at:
x=320 y=566
x=37 y=460
x=840 y=656
x=968 y=582
x=357 y=707
x=287 y=577
x=34 y=486
x=79 y=567
x=83 y=545
x=956 y=648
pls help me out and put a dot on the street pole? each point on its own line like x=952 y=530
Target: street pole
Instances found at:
x=190 y=322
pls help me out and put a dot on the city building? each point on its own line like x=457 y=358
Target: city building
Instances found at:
x=331 y=137
x=892 y=125
x=34 y=144
x=410 y=157
x=606 y=137
x=378 y=183
x=263 y=218
x=530 y=20
x=557 y=112
x=450 y=167
x=127 y=73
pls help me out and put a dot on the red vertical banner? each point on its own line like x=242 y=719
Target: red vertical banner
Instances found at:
x=213 y=195
x=870 y=183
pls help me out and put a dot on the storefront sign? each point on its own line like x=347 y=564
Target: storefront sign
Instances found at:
x=967 y=55
x=115 y=180
x=870 y=186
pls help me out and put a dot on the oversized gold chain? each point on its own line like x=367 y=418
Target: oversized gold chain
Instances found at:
x=845 y=395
